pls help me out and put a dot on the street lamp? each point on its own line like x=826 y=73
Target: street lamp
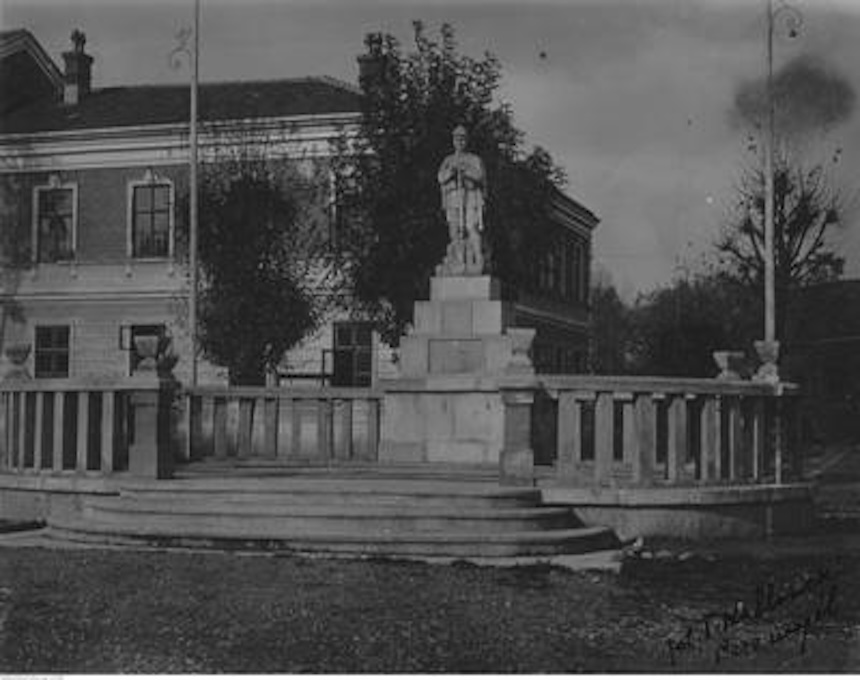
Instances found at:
x=768 y=349
x=193 y=55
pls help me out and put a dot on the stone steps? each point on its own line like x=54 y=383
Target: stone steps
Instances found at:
x=258 y=468
x=332 y=490
x=336 y=515
x=241 y=517
x=391 y=545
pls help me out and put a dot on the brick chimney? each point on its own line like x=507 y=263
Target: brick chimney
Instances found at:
x=78 y=76
x=371 y=65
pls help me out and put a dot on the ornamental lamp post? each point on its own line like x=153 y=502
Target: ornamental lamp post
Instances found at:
x=768 y=349
x=193 y=55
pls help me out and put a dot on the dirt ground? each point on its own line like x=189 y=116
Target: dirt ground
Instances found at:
x=773 y=609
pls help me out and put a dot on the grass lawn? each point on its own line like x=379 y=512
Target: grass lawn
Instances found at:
x=93 y=611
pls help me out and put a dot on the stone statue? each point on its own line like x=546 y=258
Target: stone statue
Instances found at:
x=461 y=181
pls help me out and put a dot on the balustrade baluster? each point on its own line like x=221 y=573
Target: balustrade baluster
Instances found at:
x=270 y=428
x=343 y=444
x=243 y=427
x=630 y=439
x=569 y=433
x=296 y=424
x=233 y=417
x=219 y=427
x=646 y=447
x=108 y=430
x=604 y=414
x=792 y=443
x=286 y=427
x=676 y=447
x=22 y=431
x=59 y=430
x=37 y=431
x=584 y=423
x=4 y=430
x=192 y=418
x=258 y=428
x=777 y=441
x=758 y=440
x=374 y=414
x=710 y=453
x=735 y=437
x=693 y=461
x=83 y=430
x=324 y=429
x=207 y=424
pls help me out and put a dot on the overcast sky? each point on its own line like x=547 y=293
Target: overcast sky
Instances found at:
x=633 y=99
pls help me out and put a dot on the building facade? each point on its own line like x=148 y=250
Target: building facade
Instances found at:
x=91 y=189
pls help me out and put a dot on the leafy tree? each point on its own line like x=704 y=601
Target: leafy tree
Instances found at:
x=411 y=106
x=261 y=254
x=676 y=329
x=806 y=209
x=611 y=330
x=14 y=252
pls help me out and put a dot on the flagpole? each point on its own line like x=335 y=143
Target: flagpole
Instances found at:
x=768 y=349
x=192 y=237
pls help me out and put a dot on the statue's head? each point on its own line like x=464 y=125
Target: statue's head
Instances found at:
x=460 y=137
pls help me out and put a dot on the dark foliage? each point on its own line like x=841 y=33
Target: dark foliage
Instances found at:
x=254 y=303
x=15 y=255
x=676 y=329
x=398 y=234
x=806 y=209
x=611 y=331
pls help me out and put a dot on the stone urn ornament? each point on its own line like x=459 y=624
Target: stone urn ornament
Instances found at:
x=146 y=348
x=768 y=354
x=521 y=350
x=17 y=354
x=155 y=355
x=731 y=364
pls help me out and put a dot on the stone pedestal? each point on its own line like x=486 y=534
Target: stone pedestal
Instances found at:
x=446 y=405
x=149 y=452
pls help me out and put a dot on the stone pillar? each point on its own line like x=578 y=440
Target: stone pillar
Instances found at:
x=517 y=459
x=149 y=451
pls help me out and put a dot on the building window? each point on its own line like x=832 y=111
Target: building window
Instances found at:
x=345 y=212
x=570 y=272
x=353 y=355
x=576 y=273
x=583 y=274
x=151 y=218
x=55 y=222
x=52 y=351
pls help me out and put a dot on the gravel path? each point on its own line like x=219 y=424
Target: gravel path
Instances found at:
x=99 y=611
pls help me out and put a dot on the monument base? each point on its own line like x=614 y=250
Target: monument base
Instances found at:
x=446 y=405
x=442 y=421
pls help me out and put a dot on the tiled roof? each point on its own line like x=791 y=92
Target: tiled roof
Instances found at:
x=12 y=34
x=156 y=104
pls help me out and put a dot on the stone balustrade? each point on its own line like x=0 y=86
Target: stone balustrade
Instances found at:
x=283 y=425
x=575 y=431
x=631 y=431
x=63 y=427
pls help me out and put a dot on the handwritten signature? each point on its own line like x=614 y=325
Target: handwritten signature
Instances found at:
x=804 y=601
